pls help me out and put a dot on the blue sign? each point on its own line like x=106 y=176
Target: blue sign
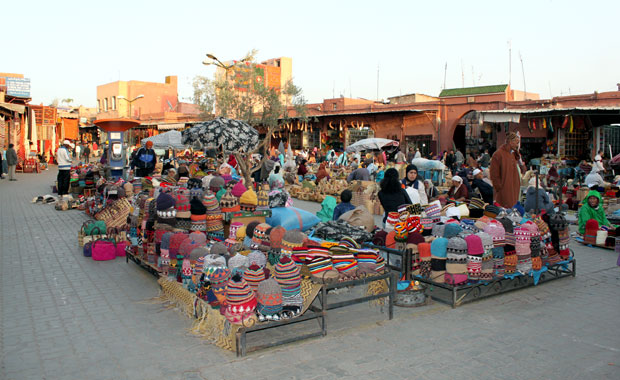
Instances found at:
x=19 y=87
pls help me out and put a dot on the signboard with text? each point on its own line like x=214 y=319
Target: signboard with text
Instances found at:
x=19 y=87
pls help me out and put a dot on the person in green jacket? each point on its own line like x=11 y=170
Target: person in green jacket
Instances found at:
x=592 y=209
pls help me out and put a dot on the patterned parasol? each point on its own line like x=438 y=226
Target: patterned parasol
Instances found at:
x=232 y=135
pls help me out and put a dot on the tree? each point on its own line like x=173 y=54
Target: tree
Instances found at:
x=204 y=95
x=240 y=93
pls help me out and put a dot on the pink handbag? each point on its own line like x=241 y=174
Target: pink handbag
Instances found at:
x=103 y=250
x=120 y=248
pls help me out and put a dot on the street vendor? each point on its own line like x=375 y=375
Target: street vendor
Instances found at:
x=392 y=195
x=145 y=160
x=322 y=173
x=458 y=191
x=592 y=209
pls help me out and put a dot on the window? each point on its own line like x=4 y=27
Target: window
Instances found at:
x=98 y=105
x=335 y=106
x=105 y=104
x=113 y=102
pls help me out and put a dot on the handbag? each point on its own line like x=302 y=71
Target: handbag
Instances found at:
x=103 y=250
x=115 y=214
x=96 y=234
x=88 y=249
x=121 y=247
x=90 y=226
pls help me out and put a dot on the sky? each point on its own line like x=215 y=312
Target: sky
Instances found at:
x=68 y=48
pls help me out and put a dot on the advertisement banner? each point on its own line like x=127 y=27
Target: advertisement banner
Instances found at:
x=18 y=87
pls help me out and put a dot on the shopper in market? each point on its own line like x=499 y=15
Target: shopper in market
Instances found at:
x=486 y=190
x=505 y=165
x=485 y=159
x=431 y=191
x=594 y=179
x=412 y=180
x=458 y=191
x=145 y=160
x=592 y=209
x=598 y=162
x=302 y=170
x=86 y=153
x=344 y=205
x=392 y=195
x=11 y=161
x=359 y=174
x=63 y=157
x=533 y=192
x=322 y=173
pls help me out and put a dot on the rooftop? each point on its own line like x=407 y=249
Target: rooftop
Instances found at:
x=465 y=91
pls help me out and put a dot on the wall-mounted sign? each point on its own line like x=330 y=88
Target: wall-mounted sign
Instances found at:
x=19 y=87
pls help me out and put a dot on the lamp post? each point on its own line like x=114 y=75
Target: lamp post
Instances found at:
x=216 y=62
x=130 y=101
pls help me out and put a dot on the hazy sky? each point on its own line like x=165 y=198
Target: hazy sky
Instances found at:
x=67 y=48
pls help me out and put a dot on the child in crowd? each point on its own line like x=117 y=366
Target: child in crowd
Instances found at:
x=345 y=204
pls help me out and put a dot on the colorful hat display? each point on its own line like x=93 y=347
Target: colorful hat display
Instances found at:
x=475 y=250
x=248 y=201
x=439 y=248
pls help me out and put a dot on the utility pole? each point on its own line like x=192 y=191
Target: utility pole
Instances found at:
x=523 y=72
x=509 y=62
x=462 y=75
x=445 y=73
x=377 y=81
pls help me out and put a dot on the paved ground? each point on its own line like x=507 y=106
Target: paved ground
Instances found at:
x=63 y=316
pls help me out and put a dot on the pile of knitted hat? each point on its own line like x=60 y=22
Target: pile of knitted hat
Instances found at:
x=475 y=250
x=183 y=212
x=320 y=265
x=166 y=212
x=269 y=297
x=486 y=269
x=524 y=255
x=510 y=252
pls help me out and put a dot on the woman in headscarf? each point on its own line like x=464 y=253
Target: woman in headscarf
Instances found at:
x=411 y=180
x=431 y=191
x=322 y=173
x=392 y=195
x=458 y=191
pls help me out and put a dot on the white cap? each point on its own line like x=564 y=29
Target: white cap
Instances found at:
x=477 y=171
x=67 y=142
x=457 y=178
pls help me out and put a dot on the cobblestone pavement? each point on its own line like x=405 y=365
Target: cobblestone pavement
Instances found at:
x=67 y=317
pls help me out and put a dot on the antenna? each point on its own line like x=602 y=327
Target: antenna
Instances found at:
x=377 y=81
x=473 y=76
x=550 y=94
x=523 y=72
x=334 y=90
x=462 y=75
x=509 y=62
x=350 y=92
x=445 y=72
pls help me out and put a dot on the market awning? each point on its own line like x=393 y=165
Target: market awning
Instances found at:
x=13 y=107
x=167 y=127
x=500 y=117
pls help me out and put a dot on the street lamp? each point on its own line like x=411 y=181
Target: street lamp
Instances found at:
x=216 y=62
x=130 y=101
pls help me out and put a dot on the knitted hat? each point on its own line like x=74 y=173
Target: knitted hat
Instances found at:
x=165 y=201
x=433 y=210
x=254 y=275
x=198 y=215
x=263 y=197
x=198 y=238
x=439 y=230
x=175 y=243
x=261 y=236
x=476 y=203
x=498 y=262
x=211 y=203
x=322 y=270
x=292 y=239
x=392 y=219
x=240 y=298
x=164 y=247
x=591 y=229
x=475 y=250
x=424 y=250
x=400 y=231
x=456 y=264
x=275 y=237
x=463 y=210
x=216 y=184
x=248 y=200
x=196 y=193
x=453 y=212
x=486 y=273
x=414 y=224
x=196 y=207
x=249 y=228
x=508 y=230
x=258 y=258
x=219 y=249
x=438 y=259
x=238 y=263
x=238 y=190
x=288 y=275
x=182 y=206
x=229 y=203
x=186 y=247
x=269 y=297
x=510 y=259
x=491 y=211
x=451 y=230
x=496 y=230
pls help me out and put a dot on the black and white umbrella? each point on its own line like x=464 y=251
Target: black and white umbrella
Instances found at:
x=232 y=135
